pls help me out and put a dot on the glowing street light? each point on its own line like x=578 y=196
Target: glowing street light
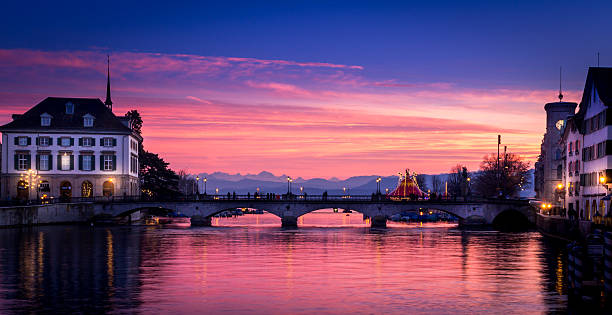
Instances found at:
x=205 y=180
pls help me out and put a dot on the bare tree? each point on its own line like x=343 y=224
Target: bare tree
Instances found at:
x=457 y=181
x=510 y=178
x=421 y=182
x=436 y=184
x=186 y=183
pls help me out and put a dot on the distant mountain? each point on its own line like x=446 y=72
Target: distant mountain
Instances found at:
x=269 y=183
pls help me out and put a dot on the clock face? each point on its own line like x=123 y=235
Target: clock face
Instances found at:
x=559 y=124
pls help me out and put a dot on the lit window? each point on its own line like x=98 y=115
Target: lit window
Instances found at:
x=69 y=108
x=45 y=121
x=88 y=121
x=88 y=142
x=65 y=162
x=108 y=142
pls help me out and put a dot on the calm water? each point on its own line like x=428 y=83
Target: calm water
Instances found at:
x=333 y=264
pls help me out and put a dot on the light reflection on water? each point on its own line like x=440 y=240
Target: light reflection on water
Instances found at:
x=332 y=264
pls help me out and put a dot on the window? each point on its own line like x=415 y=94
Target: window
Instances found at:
x=577 y=147
x=133 y=164
x=87 y=162
x=108 y=142
x=23 y=141
x=45 y=121
x=22 y=161
x=108 y=162
x=66 y=162
x=559 y=172
x=69 y=108
x=87 y=142
x=43 y=162
x=44 y=141
x=87 y=189
x=88 y=121
x=44 y=186
x=577 y=167
x=569 y=167
x=66 y=142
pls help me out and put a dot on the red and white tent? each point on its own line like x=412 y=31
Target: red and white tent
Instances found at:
x=407 y=187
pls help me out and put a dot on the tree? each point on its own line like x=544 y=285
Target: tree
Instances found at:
x=135 y=120
x=420 y=179
x=157 y=180
x=186 y=183
x=511 y=176
x=457 y=181
x=436 y=184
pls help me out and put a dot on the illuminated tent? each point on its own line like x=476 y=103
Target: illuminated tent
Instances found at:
x=407 y=187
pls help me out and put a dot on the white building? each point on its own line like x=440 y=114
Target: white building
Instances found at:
x=69 y=147
x=587 y=144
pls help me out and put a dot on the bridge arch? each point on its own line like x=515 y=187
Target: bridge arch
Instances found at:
x=511 y=220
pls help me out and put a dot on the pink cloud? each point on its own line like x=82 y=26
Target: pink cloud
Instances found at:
x=303 y=118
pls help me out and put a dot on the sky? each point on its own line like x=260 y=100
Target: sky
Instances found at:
x=311 y=88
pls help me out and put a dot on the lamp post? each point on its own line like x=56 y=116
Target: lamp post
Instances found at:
x=289 y=180
x=602 y=181
x=302 y=190
x=378 y=180
x=197 y=185
x=561 y=193
x=205 y=179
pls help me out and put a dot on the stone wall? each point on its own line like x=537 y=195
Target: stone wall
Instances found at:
x=45 y=214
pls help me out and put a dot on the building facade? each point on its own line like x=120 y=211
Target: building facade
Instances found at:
x=549 y=167
x=587 y=149
x=69 y=147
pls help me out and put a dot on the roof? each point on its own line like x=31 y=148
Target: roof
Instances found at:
x=601 y=78
x=105 y=120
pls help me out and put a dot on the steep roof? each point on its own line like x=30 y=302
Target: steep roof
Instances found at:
x=105 y=120
x=601 y=78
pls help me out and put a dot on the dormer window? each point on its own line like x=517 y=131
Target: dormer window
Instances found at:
x=45 y=120
x=88 y=121
x=69 y=108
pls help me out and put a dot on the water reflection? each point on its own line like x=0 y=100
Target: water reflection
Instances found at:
x=245 y=268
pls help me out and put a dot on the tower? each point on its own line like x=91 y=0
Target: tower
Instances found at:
x=108 y=102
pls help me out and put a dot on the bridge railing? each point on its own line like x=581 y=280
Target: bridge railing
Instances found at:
x=254 y=197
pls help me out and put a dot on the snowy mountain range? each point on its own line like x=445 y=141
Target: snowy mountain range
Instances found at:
x=270 y=183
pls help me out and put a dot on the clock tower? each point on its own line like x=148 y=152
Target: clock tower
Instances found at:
x=549 y=168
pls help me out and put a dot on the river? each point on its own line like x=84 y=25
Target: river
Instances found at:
x=332 y=264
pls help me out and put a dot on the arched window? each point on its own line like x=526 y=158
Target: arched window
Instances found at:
x=577 y=146
x=86 y=189
x=108 y=188
x=569 y=168
x=65 y=189
x=577 y=167
x=559 y=172
x=570 y=149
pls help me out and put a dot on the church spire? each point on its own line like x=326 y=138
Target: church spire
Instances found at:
x=108 y=101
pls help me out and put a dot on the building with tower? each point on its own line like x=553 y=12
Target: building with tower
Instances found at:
x=549 y=167
x=583 y=184
x=69 y=147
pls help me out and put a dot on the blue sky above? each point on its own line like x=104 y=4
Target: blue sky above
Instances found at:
x=498 y=43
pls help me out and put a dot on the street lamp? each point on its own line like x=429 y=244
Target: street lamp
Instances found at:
x=378 y=180
x=561 y=192
x=289 y=180
x=205 y=179
x=301 y=189
x=197 y=185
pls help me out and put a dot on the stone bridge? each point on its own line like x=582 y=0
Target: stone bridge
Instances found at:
x=474 y=212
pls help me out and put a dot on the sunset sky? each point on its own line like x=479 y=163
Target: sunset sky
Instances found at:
x=309 y=89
